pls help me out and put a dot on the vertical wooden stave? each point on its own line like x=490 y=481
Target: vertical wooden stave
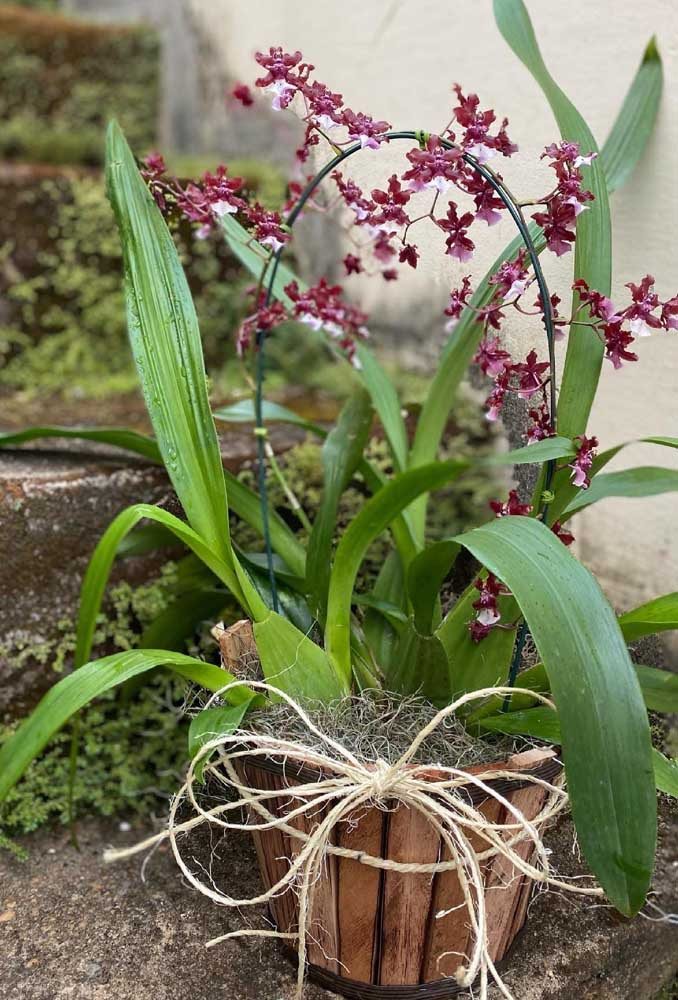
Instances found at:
x=505 y=884
x=323 y=931
x=406 y=897
x=359 y=888
x=452 y=933
x=413 y=919
x=273 y=846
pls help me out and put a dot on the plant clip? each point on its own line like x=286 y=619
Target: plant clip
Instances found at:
x=422 y=137
x=261 y=432
x=548 y=496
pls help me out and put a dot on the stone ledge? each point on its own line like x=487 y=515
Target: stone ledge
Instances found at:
x=54 y=506
x=103 y=934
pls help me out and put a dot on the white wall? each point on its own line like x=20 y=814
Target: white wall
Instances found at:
x=398 y=59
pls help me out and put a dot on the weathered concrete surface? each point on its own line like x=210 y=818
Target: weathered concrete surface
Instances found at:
x=73 y=928
x=55 y=504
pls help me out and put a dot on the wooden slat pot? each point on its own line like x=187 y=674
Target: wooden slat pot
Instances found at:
x=374 y=933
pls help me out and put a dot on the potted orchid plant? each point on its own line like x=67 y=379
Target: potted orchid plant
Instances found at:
x=407 y=837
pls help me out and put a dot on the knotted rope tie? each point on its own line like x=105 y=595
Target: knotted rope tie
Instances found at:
x=348 y=785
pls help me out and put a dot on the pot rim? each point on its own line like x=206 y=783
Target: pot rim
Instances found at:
x=537 y=762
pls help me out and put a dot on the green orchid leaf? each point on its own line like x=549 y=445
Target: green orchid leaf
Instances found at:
x=292 y=604
x=212 y=723
x=375 y=517
x=567 y=491
x=380 y=632
x=425 y=576
x=534 y=454
x=666 y=773
x=420 y=667
x=389 y=499
x=257 y=562
x=593 y=250
x=386 y=403
x=391 y=612
x=92 y=680
x=657 y=615
x=635 y=122
x=605 y=731
x=540 y=723
x=342 y=454
x=645 y=481
x=242 y=412
x=165 y=339
x=140 y=444
x=658 y=687
x=293 y=663
x=668 y=442
x=246 y=504
x=99 y=568
x=543 y=724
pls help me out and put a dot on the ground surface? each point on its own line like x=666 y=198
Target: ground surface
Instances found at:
x=72 y=928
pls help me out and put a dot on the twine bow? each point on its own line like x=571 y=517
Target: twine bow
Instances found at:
x=348 y=784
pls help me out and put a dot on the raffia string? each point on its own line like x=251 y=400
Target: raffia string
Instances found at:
x=346 y=785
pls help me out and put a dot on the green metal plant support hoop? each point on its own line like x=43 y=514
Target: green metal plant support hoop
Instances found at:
x=515 y=211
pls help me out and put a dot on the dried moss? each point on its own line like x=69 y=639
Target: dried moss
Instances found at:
x=376 y=725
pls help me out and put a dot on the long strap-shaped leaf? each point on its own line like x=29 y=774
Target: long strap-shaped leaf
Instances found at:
x=543 y=724
x=659 y=689
x=92 y=680
x=645 y=481
x=605 y=731
x=593 y=252
x=379 y=511
x=165 y=339
x=120 y=437
x=567 y=493
x=658 y=615
x=341 y=455
x=635 y=122
x=621 y=152
x=99 y=568
x=246 y=504
x=243 y=412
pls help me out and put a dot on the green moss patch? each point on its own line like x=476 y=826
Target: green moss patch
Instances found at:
x=62 y=79
x=63 y=329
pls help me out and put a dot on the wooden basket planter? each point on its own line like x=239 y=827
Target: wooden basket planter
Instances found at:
x=373 y=933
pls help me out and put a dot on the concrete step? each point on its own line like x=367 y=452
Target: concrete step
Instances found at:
x=106 y=934
x=55 y=503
